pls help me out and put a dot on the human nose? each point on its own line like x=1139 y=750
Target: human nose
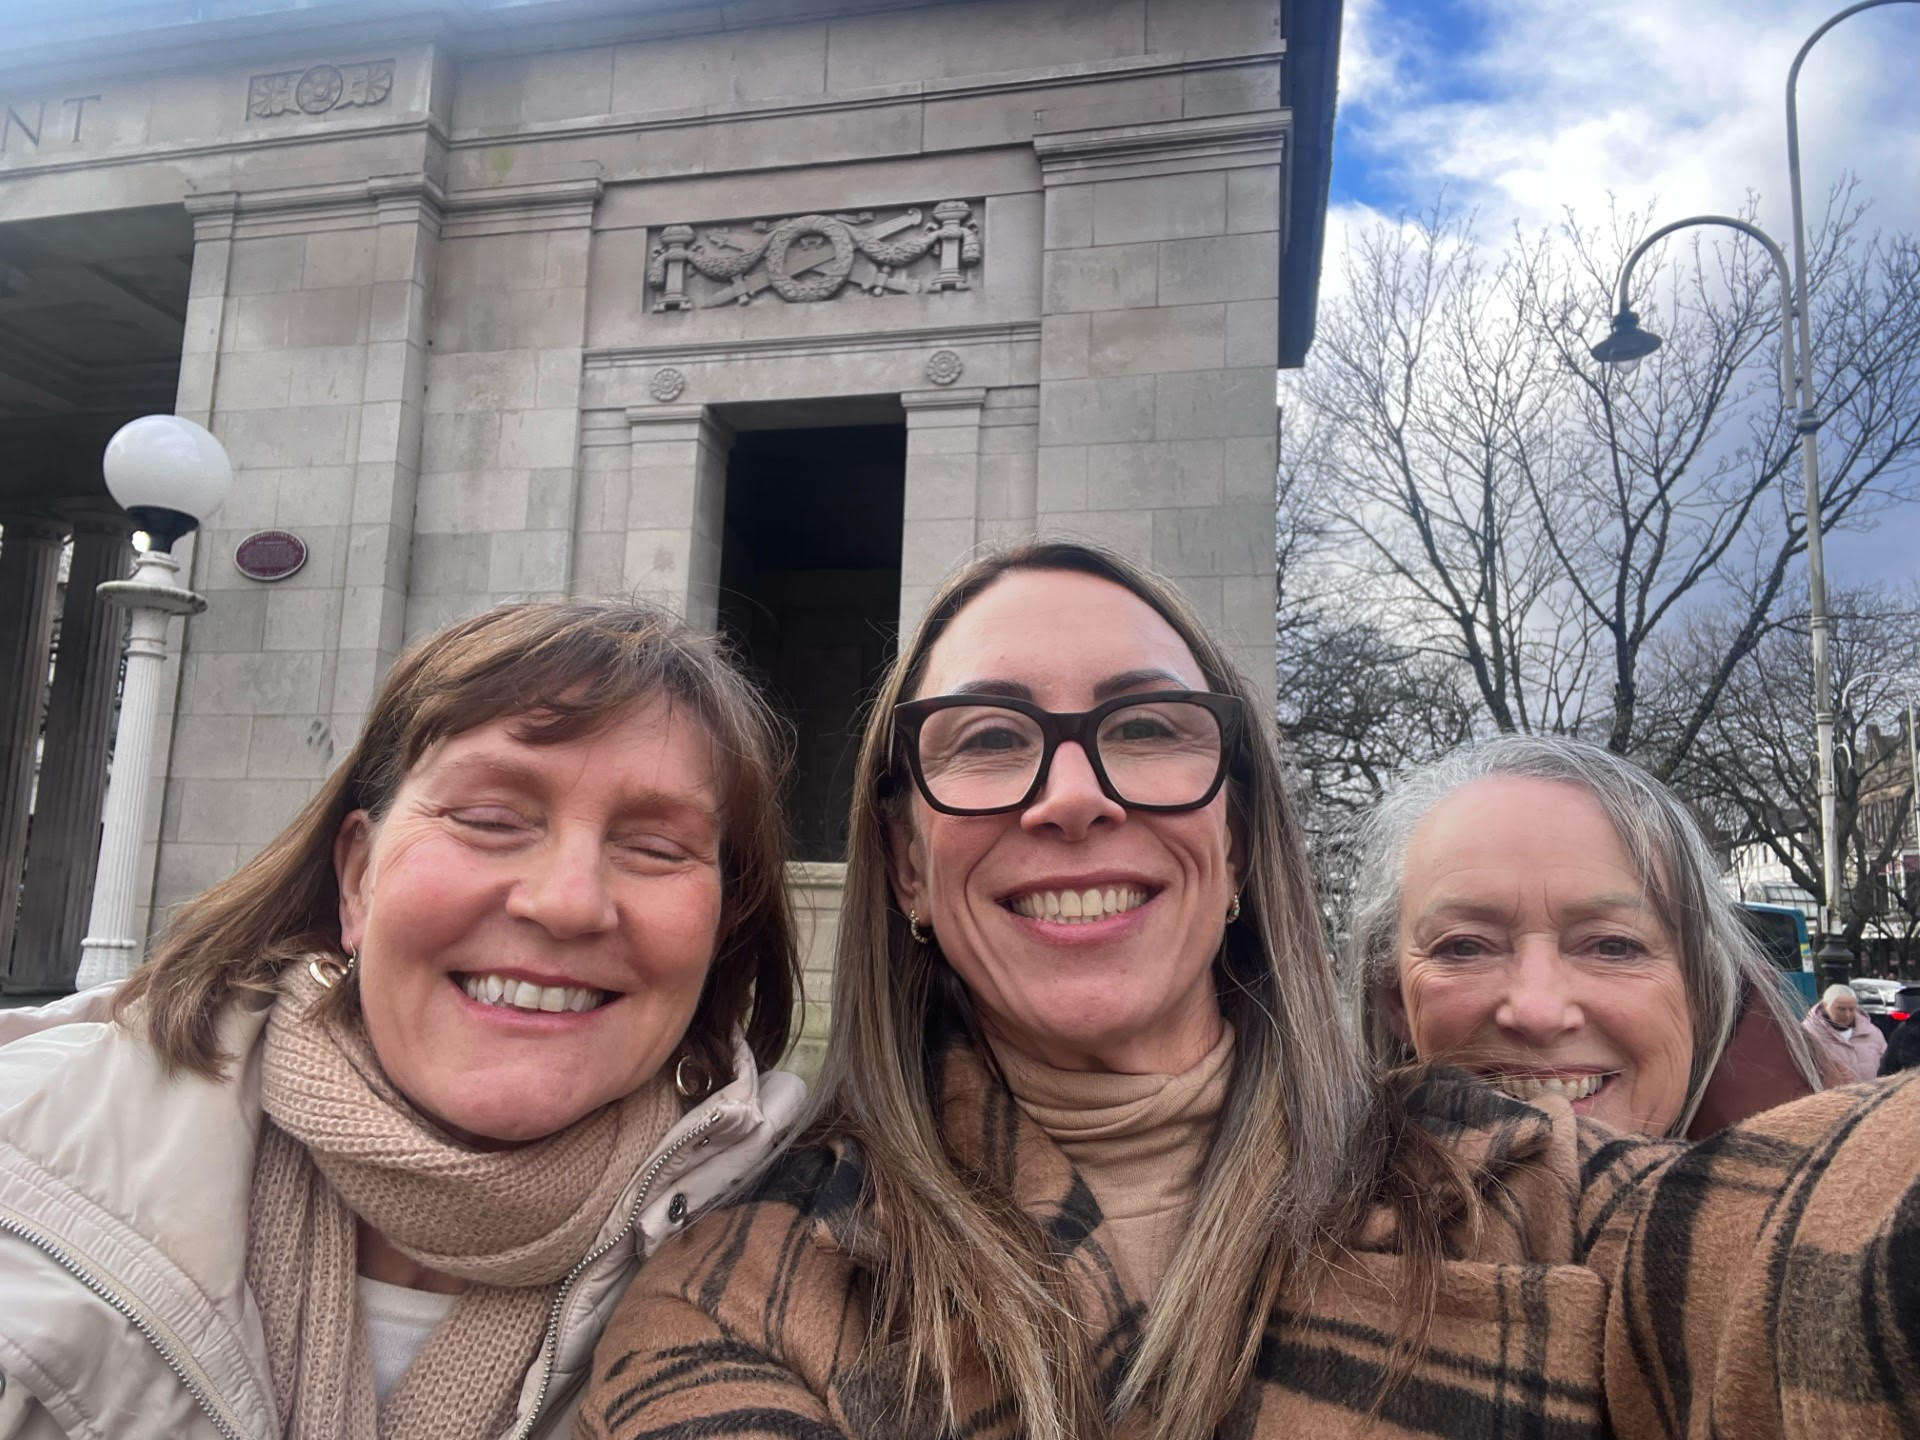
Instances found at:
x=1071 y=801
x=1540 y=1005
x=563 y=888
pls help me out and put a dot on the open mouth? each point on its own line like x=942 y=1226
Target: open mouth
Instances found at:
x=1078 y=907
x=511 y=993
x=1572 y=1087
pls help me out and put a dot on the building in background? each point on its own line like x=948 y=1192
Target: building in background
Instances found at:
x=769 y=312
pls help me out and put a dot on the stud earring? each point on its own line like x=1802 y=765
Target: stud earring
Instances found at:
x=329 y=972
x=1233 y=911
x=921 y=934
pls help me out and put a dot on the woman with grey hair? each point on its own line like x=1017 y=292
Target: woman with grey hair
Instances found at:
x=1542 y=911
x=1847 y=1043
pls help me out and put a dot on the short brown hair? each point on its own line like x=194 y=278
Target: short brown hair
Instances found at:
x=567 y=667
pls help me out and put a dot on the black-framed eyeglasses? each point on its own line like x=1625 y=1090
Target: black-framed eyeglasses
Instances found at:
x=1161 y=750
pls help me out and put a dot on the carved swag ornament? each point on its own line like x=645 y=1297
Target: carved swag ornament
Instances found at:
x=815 y=257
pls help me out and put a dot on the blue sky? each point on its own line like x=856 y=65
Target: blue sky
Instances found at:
x=1522 y=107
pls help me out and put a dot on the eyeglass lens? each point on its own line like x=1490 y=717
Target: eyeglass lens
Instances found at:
x=979 y=757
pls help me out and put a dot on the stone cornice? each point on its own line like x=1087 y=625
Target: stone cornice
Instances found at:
x=380 y=198
x=504 y=209
x=425 y=125
x=1206 y=142
x=865 y=342
x=1054 y=77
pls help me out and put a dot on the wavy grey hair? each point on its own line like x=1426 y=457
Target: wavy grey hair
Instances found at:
x=1720 y=962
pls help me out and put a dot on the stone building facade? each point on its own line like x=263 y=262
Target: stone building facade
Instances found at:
x=770 y=311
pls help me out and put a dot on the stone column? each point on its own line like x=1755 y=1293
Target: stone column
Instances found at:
x=73 y=768
x=939 y=526
x=29 y=579
x=676 y=508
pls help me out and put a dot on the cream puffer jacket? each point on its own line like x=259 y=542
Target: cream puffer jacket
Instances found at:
x=124 y=1309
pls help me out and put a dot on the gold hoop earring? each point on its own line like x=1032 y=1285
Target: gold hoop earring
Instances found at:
x=330 y=972
x=1233 y=912
x=921 y=934
x=692 y=1086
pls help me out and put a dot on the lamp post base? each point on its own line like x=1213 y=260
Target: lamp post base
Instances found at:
x=1832 y=962
x=104 y=961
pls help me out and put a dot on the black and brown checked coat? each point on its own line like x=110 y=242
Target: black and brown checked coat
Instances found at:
x=753 y=1325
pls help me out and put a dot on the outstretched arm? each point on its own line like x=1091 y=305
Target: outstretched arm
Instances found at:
x=1767 y=1282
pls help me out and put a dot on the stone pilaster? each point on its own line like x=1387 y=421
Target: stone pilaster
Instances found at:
x=1159 y=341
x=29 y=581
x=676 y=508
x=942 y=491
x=65 y=844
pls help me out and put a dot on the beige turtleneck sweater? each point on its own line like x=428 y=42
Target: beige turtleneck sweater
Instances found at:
x=1138 y=1140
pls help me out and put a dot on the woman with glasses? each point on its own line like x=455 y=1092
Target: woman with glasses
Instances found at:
x=1092 y=1153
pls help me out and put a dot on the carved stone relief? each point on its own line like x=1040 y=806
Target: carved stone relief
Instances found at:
x=945 y=366
x=809 y=258
x=318 y=89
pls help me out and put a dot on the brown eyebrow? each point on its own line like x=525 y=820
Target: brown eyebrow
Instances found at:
x=517 y=772
x=1113 y=685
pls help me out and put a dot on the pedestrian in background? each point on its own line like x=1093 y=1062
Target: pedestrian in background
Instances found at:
x=1903 y=1048
x=1847 y=1043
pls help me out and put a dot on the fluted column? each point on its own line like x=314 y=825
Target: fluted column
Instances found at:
x=29 y=580
x=111 y=949
x=73 y=767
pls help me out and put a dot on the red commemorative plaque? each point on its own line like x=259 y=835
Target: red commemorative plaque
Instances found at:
x=270 y=555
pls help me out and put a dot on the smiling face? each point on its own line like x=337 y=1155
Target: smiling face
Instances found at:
x=1529 y=951
x=1131 y=990
x=535 y=921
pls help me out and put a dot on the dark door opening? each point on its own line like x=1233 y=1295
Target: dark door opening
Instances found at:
x=810 y=592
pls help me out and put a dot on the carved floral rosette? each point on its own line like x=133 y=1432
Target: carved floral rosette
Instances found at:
x=318 y=89
x=805 y=259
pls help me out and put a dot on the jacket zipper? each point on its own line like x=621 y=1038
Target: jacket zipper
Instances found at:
x=196 y=1381
x=551 y=1341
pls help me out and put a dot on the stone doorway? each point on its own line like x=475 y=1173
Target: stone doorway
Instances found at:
x=92 y=314
x=810 y=591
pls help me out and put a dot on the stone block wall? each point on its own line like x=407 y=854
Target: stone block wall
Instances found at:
x=427 y=323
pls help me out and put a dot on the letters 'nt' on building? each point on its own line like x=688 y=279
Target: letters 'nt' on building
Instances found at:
x=770 y=312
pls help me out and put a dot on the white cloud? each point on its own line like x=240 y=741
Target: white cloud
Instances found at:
x=1565 y=102
x=1675 y=106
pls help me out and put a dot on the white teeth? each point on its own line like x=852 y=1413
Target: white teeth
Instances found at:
x=522 y=995
x=1532 y=1087
x=1077 y=907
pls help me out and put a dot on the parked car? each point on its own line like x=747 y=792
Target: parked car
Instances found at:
x=1876 y=1001
x=1904 y=1005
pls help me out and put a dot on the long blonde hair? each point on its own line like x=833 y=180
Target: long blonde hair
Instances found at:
x=963 y=1275
x=566 y=668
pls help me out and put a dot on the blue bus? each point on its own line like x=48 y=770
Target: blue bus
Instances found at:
x=1782 y=933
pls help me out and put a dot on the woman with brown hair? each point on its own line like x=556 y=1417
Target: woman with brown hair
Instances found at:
x=389 y=1120
x=1094 y=1153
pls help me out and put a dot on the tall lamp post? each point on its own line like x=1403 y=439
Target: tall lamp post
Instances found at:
x=169 y=474
x=1910 y=708
x=1627 y=345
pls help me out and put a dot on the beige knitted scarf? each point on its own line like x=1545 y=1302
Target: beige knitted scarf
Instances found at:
x=341 y=1144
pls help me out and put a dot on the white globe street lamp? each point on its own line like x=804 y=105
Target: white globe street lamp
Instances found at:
x=168 y=474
